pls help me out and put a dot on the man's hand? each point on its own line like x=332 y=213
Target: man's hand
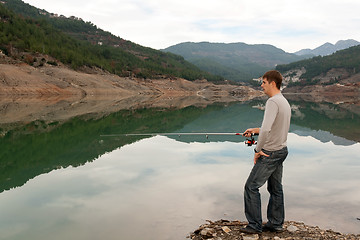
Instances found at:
x=251 y=131
x=258 y=155
x=248 y=133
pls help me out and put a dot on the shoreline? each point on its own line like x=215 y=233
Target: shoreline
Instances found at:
x=58 y=93
x=229 y=230
x=52 y=93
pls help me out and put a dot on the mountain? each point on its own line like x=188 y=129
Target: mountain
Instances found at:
x=328 y=48
x=346 y=61
x=334 y=78
x=233 y=61
x=25 y=29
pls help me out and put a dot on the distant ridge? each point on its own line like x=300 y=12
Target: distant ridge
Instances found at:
x=328 y=48
x=234 y=61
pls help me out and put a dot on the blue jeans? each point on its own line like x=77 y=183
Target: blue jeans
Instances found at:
x=266 y=169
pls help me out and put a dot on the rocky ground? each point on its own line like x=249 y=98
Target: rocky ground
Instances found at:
x=229 y=230
x=336 y=93
x=336 y=86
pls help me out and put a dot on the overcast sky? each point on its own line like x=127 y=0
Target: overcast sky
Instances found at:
x=287 y=24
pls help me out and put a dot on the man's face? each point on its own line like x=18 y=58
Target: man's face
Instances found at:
x=266 y=86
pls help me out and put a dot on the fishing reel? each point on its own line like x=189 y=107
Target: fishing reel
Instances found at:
x=251 y=141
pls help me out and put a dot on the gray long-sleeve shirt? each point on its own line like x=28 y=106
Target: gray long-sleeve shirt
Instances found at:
x=276 y=123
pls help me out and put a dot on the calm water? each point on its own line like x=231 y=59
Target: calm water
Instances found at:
x=64 y=181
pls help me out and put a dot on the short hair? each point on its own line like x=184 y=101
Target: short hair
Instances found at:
x=275 y=76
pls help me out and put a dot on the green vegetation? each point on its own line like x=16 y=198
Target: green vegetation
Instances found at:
x=18 y=34
x=233 y=61
x=242 y=73
x=348 y=59
x=77 y=43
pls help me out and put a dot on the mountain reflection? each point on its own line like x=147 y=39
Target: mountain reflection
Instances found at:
x=325 y=122
x=31 y=149
x=35 y=148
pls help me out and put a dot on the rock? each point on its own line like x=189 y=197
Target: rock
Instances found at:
x=251 y=237
x=292 y=228
x=208 y=232
x=226 y=229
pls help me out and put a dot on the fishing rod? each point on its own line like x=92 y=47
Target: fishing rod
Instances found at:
x=249 y=141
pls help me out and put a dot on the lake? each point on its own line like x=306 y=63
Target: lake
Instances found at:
x=63 y=180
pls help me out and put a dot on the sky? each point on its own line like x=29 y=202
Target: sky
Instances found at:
x=287 y=24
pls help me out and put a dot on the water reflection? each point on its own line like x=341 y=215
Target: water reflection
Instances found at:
x=39 y=147
x=162 y=188
x=325 y=122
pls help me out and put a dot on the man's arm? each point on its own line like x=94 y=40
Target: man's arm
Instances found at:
x=271 y=110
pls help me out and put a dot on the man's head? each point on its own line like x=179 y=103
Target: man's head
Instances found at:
x=271 y=83
x=274 y=76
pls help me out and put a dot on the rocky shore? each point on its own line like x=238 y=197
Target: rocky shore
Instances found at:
x=230 y=230
x=25 y=80
x=55 y=93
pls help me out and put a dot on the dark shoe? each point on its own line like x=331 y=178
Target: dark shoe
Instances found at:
x=249 y=230
x=269 y=228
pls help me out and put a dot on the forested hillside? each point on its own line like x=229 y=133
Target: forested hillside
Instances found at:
x=314 y=68
x=234 y=61
x=76 y=43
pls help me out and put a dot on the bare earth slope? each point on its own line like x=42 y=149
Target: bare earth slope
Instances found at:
x=52 y=93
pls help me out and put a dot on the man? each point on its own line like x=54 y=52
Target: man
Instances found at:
x=270 y=154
